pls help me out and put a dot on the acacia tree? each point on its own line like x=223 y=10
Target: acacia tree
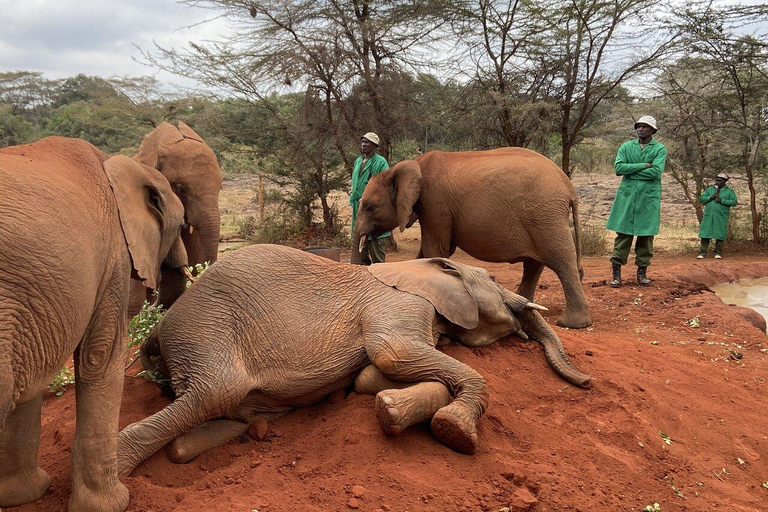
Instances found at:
x=595 y=46
x=341 y=55
x=739 y=63
x=694 y=128
x=509 y=81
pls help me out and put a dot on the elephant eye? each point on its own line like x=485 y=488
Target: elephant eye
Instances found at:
x=179 y=189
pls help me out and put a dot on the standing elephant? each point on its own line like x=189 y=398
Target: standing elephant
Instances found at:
x=509 y=204
x=75 y=226
x=191 y=168
x=269 y=328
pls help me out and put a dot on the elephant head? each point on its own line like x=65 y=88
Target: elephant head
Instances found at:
x=388 y=201
x=150 y=214
x=478 y=311
x=191 y=168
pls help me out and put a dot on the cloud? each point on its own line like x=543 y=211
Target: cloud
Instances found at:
x=63 y=38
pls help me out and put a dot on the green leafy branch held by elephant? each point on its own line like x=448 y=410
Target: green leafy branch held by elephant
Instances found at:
x=268 y=329
x=504 y=205
x=75 y=226
x=190 y=166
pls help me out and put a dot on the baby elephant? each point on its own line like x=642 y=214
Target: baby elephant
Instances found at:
x=268 y=329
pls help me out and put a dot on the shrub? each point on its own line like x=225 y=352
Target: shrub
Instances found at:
x=593 y=242
x=64 y=378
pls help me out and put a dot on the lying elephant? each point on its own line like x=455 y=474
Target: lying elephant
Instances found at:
x=508 y=204
x=269 y=328
x=75 y=226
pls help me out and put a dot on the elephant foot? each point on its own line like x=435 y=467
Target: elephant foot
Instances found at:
x=23 y=488
x=388 y=414
x=398 y=409
x=574 y=320
x=454 y=426
x=113 y=498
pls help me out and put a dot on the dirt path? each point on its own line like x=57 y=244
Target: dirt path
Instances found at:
x=544 y=445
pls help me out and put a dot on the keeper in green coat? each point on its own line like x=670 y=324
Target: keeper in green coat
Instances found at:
x=368 y=164
x=636 y=210
x=718 y=200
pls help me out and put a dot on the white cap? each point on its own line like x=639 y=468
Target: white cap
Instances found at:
x=649 y=120
x=371 y=137
x=722 y=175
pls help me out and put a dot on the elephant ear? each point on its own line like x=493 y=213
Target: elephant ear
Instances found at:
x=150 y=214
x=406 y=179
x=188 y=132
x=437 y=280
x=154 y=146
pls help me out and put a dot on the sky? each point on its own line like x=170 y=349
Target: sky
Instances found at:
x=62 y=38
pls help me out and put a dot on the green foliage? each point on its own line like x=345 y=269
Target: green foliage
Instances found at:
x=197 y=270
x=64 y=378
x=276 y=227
x=142 y=324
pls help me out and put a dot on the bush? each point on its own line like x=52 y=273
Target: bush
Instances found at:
x=593 y=242
x=64 y=378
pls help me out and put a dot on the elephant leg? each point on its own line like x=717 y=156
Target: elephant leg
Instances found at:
x=99 y=375
x=21 y=480
x=199 y=404
x=370 y=381
x=558 y=253
x=531 y=272
x=398 y=409
x=455 y=425
x=202 y=438
x=576 y=315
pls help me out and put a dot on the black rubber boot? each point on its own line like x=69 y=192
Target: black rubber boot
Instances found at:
x=642 y=279
x=616 y=281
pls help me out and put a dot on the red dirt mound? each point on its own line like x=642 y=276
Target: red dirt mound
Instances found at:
x=678 y=414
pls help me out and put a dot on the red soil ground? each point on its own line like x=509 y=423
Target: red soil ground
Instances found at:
x=544 y=445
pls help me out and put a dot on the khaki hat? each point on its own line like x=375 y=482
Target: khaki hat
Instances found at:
x=649 y=120
x=371 y=137
x=722 y=176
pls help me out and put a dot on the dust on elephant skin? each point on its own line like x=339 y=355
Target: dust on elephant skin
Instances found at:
x=269 y=328
x=504 y=205
x=75 y=226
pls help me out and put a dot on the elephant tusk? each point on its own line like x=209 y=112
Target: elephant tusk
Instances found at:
x=191 y=229
x=363 y=240
x=533 y=305
x=186 y=272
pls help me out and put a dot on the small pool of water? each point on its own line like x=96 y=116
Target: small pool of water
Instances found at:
x=751 y=293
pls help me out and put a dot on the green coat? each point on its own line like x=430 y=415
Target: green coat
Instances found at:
x=360 y=177
x=714 y=224
x=637 y=207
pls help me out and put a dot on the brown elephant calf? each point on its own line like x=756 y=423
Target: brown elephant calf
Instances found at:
x=75 y=225
x=268 y=329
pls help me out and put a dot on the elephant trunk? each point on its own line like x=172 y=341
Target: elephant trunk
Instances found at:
x=538 y=328
x=203 y=240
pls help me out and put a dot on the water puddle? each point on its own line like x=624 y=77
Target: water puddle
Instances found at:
x=751 y=293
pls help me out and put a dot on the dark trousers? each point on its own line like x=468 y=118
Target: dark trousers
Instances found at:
x=373 y=252
x=623 y=244
x=704 y=247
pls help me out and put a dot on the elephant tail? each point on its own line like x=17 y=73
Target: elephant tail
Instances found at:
x=577 y=235
x=152 y=357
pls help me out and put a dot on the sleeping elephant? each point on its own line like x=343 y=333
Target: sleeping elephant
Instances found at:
x=75 y=226
x=193 y=172
x=269 y=328
x=509 y=204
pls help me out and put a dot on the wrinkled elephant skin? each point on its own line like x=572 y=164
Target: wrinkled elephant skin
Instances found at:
x=190 y=166
x=504 y=205
x=75 y=226
x=269 y=328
